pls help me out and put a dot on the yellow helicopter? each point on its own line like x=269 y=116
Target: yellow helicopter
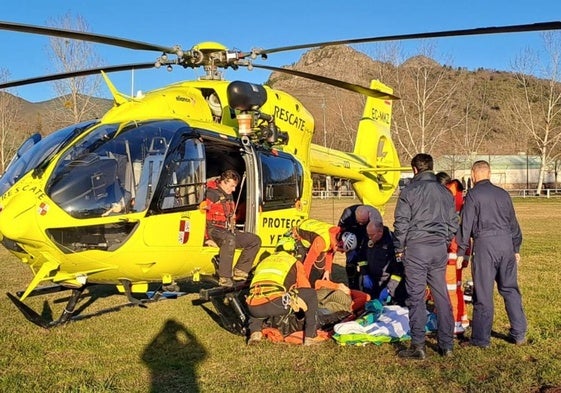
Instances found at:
x=116 y=200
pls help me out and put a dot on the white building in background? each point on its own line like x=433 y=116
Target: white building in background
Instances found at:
x=519 y=171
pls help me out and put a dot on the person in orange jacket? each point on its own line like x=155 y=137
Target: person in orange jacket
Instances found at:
x=453 y=274
x=320 y=240
x=279 y=287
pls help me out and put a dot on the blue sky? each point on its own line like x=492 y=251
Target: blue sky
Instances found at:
x=249 y=23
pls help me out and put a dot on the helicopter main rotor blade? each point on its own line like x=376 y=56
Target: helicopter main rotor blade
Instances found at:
x=333 y=82
x=79 y=35
x=542 y=26
x=65 y=75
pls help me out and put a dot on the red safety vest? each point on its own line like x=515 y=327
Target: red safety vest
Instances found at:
x=220 y=205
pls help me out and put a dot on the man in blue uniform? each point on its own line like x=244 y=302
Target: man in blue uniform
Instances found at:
x=354 y=219
x=381 y=274
x=488 y=217
x=425 y=223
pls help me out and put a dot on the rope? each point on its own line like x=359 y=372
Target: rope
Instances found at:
x=238 y=200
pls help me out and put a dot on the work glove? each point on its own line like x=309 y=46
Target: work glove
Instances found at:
x=385 y=296
x=366 y=283
x=388 y=292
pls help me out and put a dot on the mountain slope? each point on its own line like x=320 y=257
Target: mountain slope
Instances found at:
x=476 y=98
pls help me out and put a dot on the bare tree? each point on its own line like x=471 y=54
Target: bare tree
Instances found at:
x=321 y=105
x=476 y=122
x=474 y=109
x=425 y=115
x=536 y=103
x=346 y=110
x=75 y=101
x=10 y=135
x=389 y=55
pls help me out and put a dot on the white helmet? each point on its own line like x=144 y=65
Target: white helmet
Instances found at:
x=349 y=241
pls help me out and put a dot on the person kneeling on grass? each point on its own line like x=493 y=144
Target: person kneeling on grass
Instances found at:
x=279 y=287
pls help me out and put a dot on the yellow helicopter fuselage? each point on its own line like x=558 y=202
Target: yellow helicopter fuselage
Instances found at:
x=118 y=200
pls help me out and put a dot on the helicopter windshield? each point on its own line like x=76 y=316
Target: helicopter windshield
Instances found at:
x=35 y=150
x=113 y=170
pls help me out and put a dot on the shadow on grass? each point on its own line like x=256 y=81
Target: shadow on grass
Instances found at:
x=98 y=292
x=76 y=306
x=502 y=336
x=172 y=357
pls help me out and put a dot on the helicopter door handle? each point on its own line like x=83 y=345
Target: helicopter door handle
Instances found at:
x=269 y=193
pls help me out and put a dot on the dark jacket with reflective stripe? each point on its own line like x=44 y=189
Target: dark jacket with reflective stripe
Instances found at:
x=425 y=209
x=488 y=212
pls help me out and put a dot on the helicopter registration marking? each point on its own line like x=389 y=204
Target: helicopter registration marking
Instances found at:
x=379 y=115
x=184 y=230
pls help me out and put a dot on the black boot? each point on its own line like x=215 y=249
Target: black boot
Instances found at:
x=445 y=352
x=414 y=352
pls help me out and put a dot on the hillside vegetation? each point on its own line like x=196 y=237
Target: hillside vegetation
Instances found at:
x=47 y=116
x=459 y=104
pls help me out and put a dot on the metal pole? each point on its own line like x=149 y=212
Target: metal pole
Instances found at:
x=527 y=168
x=324 y=128
x=132 y=82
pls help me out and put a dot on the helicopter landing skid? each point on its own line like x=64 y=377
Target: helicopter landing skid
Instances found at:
x=68 y=313
x=32 y=316
x=127 y=285
x=229 y=305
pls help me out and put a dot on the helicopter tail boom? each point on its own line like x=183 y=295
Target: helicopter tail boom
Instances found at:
x=373 y=167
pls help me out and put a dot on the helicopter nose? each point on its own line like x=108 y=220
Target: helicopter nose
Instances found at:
x=18 y=218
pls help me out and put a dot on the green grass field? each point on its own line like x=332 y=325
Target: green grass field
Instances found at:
x=176 y=346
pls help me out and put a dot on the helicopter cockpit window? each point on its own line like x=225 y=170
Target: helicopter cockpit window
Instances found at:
x=113 y=170
x=282 y=181
x=35 y=150
x=185 y=176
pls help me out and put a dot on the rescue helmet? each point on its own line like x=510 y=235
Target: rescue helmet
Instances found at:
x=349 y=241
x=286 y=243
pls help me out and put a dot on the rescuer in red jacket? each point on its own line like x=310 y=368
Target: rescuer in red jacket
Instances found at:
x=453 y=274
x=221 y=228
